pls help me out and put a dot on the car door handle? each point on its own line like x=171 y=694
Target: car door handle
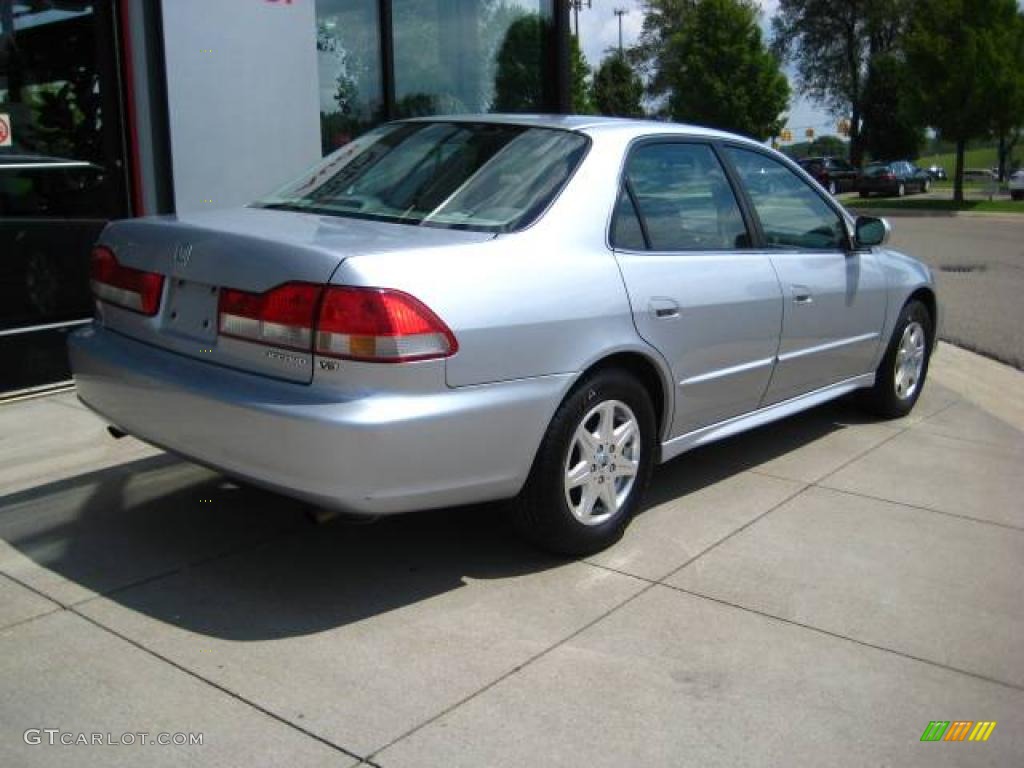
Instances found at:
x=663 y=309
x=801 y=294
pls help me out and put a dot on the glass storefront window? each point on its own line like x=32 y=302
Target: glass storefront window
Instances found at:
x=62 y=174
x=459 y=56
x=350 y=70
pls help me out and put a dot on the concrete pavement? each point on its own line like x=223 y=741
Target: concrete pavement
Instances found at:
x=813 y=593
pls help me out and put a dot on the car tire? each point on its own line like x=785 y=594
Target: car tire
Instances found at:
x=900 y=376
x=901 y=190
x=925 y=186
x=832 y=189
x=578 y=500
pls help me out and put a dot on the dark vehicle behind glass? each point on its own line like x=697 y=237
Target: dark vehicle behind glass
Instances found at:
x=894 y=179
x=833 y=173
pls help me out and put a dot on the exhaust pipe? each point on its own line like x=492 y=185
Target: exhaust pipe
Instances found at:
x=116 y=433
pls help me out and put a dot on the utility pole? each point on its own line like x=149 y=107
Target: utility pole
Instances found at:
x=577 y=6
x=620 y=12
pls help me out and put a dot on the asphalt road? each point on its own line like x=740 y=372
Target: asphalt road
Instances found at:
x=979 y=266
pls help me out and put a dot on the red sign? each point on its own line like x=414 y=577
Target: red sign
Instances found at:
x=5 y=131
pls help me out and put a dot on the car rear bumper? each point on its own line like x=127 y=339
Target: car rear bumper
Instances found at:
x=375 y=453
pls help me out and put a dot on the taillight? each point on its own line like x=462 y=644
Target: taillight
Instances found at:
x=380 y=325
x=281 y=317
x=124 y=287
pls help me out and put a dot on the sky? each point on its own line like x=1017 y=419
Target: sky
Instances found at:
x=599 y=31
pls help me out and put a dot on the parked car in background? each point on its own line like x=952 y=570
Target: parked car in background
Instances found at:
x=980 y=175
x=538 y=308
x=1017 y=185
x=937 y=172
x=833 y=173
x=896 y=178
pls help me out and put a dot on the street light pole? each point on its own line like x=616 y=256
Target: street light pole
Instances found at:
x=577 y=6
x=620 y=12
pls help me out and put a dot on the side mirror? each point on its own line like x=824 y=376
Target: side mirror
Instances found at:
x=870 y=231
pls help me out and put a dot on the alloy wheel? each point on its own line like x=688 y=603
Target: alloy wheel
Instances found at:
x=602 y=462
x=910 y=360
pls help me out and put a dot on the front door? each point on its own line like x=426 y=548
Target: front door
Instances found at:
x=835 y=296
x=699 y=293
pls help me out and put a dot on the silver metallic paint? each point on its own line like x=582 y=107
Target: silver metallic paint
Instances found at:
x=532 y=310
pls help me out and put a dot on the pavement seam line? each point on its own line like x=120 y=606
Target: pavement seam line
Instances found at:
x=969 y=440
x=213 y=684
x=15 y=580
x=519 y=667
x=57 y=605
x=814 y=483
x=955 y=515
x=649 y=585
x=838 y=636
x=735 y=531
x=224 y=554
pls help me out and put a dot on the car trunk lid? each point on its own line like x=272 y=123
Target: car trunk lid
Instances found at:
x=252 y=250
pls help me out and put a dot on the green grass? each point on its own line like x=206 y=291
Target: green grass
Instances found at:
x=982 y=157
x=982 y=206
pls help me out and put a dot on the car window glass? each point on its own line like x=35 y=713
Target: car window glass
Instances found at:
x=626 y=230
x=463 y=175
x=792 y=214
x=684 y=198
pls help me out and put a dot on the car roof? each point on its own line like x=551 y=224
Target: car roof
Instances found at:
x=592 y=124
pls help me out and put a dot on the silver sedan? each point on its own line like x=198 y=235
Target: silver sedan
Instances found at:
x=463 y=309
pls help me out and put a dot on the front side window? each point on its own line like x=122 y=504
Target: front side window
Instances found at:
x=479 y=176
x=684 y=199
x=792 y=214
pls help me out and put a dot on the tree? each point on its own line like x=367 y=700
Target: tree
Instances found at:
x=1008 y=110
x=707 y=61
x=579 y=71
x=517 y=80
x=831 y=42
x=960 y=53
x=617 y=88
x=892 y=127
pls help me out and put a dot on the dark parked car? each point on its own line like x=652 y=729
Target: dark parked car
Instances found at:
x=833 y=173
x=937 y=172
x=898 y=178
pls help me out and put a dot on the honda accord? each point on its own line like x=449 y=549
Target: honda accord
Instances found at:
x=461 y=309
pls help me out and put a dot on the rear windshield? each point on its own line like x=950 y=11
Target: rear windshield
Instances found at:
x=877 y=169
x=477 y=176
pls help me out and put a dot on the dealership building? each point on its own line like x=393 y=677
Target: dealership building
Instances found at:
x=117 y=108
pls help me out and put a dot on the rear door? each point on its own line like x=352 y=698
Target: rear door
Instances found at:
x=699 y=293
x=835 y=296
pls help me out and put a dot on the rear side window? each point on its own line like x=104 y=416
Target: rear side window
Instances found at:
x=683 y=198
x=792 y=214
x=627 y=231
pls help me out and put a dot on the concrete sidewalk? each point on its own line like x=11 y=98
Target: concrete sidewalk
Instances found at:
x=813 y=593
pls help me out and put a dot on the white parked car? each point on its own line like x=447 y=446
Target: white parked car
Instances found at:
x=1017 y=185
